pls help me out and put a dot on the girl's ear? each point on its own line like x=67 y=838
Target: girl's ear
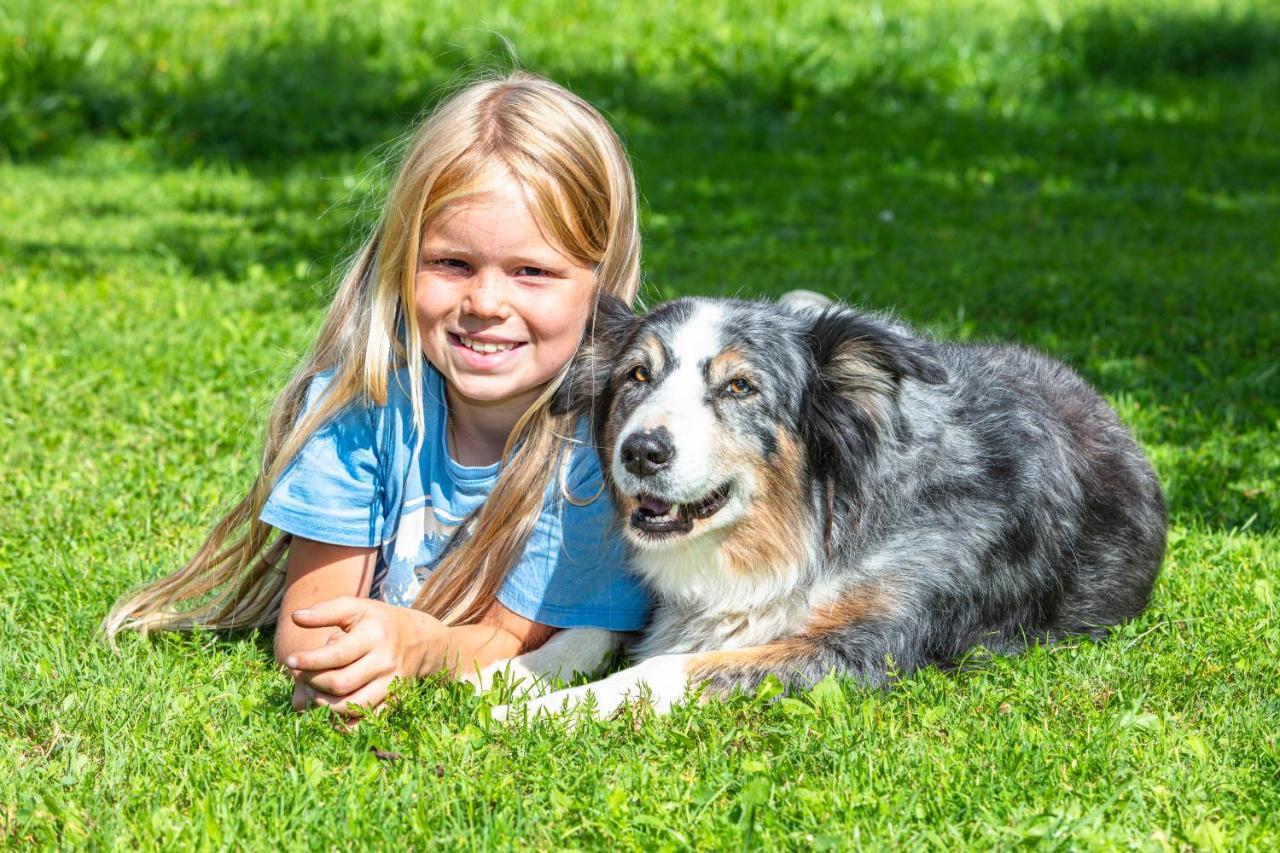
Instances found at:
x=859 y=363
x=608 y=330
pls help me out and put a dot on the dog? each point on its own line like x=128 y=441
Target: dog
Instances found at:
x=810 y=489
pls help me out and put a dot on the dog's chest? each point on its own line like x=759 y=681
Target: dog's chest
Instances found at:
x=681 y=628
x=700 y=579
x=754 y=627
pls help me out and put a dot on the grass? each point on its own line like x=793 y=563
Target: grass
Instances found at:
x=1100 y=180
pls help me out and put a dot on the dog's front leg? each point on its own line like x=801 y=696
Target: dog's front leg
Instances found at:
x=799 y=662
x=661 y=679
x=566 y=653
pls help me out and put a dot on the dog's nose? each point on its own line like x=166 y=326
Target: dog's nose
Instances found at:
x=647 y=453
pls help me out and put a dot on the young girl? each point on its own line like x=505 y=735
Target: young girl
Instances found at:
x=434 y=513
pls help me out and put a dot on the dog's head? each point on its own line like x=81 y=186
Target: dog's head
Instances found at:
x=723 y=415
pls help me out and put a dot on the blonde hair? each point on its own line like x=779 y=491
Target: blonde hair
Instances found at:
x=581 y=190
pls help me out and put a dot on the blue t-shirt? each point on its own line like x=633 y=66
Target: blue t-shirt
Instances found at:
x=365 y=480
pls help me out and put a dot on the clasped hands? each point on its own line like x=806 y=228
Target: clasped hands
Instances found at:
x=372 y=644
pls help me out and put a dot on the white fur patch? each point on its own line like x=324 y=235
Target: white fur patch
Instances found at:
x=661 y=680
x=694 y=572
x=678 y=404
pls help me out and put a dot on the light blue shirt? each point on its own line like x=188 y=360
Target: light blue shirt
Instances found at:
x=363 y=480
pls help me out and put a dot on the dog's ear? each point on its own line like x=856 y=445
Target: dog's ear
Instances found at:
x=608 y=329
x=859 y=364
x=855 y=352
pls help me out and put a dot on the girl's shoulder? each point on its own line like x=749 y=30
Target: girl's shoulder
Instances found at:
x=347 y=481
x=384 y=434
x=397 y=409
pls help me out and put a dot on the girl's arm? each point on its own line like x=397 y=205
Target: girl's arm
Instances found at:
x=315 y=572
x=501 y=633
x=344 y=649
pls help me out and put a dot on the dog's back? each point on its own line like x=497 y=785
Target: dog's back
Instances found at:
x=1065 y=519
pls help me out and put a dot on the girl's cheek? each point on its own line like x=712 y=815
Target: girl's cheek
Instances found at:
x=430 y=300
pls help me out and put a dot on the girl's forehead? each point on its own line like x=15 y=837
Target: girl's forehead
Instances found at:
x=497 y=216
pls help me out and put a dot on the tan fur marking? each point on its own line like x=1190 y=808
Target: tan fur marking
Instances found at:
x=856 y=361
x=856 y=605
x=770 y=536
x=776 y=656
x=625 y=503
x=860 y=377
x=724 y=366
x=653 y=347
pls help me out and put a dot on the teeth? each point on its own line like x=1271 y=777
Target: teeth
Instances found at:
x=484 y=346
x=670 y=515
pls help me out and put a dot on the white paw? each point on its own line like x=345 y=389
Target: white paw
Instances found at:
x=658 y=683
x=553 y=705
x=564 y=702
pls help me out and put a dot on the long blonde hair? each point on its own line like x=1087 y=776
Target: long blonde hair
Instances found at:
x=582 y=192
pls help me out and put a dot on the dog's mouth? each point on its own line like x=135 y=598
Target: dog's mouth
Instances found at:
x=658 y=518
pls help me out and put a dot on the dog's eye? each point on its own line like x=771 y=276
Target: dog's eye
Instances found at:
x=739 y=387
x=640 y=374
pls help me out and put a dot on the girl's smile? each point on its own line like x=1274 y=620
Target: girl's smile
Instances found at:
x=501 y=309
x=483 y=352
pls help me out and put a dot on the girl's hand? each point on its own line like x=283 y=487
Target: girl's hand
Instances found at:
x=374 y=644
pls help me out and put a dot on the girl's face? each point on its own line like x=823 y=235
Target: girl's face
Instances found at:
x=500 y=309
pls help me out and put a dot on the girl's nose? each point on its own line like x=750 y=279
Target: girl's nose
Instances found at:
x=487 y=295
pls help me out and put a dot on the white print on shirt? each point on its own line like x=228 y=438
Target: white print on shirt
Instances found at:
x=420 y=537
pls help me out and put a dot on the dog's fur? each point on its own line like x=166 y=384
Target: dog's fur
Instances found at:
x=892 y=502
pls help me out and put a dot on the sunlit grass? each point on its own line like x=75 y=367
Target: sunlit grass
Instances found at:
x=1004 y=171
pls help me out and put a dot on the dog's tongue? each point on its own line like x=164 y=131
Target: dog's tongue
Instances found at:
x=654 y=505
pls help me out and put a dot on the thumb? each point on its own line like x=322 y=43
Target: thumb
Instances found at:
x=341 y=612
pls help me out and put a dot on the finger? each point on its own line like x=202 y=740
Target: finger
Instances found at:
x=348 y=679
x=371 y=697
x=297 y=674
x=344 y=651
x=367 y=699
x=341 y=611
x=300 y=701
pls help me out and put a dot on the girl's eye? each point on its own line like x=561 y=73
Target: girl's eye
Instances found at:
x=531 y=272
x=739 y=387
x=449 y=263
x=640 y=374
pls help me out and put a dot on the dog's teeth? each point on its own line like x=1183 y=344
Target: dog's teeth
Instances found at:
x=669 y=515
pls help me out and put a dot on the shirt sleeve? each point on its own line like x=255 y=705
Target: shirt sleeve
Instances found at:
x=330 y=492
x=574 y=570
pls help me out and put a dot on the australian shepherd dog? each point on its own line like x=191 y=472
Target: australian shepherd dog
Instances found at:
x=815 y=489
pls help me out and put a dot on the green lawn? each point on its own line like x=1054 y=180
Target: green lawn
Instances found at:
x=1100 y=180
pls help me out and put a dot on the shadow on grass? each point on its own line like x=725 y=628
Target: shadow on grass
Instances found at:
x=306 y=83
x=1184 y=42
x=1120 y=222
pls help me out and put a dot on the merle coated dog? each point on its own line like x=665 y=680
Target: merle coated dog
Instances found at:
x=814 y=489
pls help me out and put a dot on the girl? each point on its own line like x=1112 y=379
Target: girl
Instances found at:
x=434 y=513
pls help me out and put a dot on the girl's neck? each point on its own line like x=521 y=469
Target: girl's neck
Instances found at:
x=478 y=432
